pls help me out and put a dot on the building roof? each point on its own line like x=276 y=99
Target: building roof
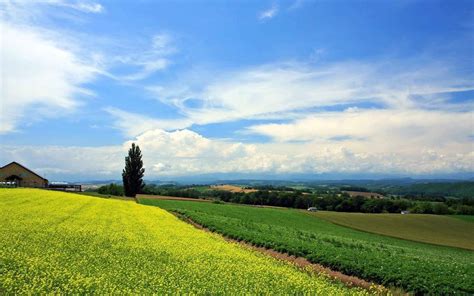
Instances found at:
x=22 y=166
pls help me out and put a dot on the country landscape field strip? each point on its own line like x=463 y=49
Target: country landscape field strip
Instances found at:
x=170 y=198
x=62 y=243
x=415 y=267
x=433 y=229
x=464 y=218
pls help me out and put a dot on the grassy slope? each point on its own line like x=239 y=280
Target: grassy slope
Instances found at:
x=414 y=266
x=434 y=229
x=62 y=243
x=464 y=218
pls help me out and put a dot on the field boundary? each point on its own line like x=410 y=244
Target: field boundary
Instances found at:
x=177 y=198
x=166 y=197
x=301 y=262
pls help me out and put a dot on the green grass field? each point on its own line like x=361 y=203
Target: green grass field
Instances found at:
x=434 y=229
x=64 y=243
x=413 y=266
x=464 y=218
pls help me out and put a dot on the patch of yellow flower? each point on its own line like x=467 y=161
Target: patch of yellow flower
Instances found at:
x=54 y=242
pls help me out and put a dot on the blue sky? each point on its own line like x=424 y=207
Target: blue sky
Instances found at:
x=244 y=87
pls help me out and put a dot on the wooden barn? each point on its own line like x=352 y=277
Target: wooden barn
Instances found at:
x=15 y=173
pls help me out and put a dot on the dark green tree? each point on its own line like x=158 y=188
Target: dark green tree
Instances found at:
x=133 y=172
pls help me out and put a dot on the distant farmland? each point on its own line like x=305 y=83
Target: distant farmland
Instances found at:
x=232 y=188
x=434 y=229
x=364 y=194
x=416 y=267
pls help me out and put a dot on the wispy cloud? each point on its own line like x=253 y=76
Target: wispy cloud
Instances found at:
x=277 y=89
x=37 y=71
x=44 y=70
x=141 y=63
x=89 y=7
x=134 y=124
x=269 y=13
x=298 y=4
x=83 y=6
x=21 y=10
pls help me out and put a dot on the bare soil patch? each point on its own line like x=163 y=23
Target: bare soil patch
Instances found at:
x=364 y=194
x=232 y=188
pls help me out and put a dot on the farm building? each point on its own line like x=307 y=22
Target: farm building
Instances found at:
x=15 y=173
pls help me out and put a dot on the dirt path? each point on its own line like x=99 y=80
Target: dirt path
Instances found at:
x=350 y=281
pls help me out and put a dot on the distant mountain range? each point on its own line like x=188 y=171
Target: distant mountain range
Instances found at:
x=360 y=182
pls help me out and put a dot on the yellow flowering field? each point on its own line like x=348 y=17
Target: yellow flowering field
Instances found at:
x=54 y=242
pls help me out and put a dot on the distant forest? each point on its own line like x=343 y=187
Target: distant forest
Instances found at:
x=455 y=189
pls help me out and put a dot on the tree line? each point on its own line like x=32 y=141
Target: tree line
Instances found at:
x=299 y=200
x=344 y=203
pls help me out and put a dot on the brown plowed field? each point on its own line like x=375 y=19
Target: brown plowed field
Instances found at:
x=232 y=188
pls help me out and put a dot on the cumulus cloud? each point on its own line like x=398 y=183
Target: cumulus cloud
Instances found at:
x=185 y=152
x=38 y=73
x=58 y=163
x=387 y=139
x=386 y=127
x=165 y=153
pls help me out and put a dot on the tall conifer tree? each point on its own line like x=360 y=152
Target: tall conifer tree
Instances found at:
x=133 y=172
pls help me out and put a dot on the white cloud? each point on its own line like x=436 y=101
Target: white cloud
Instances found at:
x=83 y=6
x=58 y=163
x=45 y=69
x=40 y=12
x=268 y=13
x=274 y=90
x=89 y=7
x=418 y=131
x=145 y=62
x=185 y=152
x=385 y=126
x=133 y=124
x=40 y=77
